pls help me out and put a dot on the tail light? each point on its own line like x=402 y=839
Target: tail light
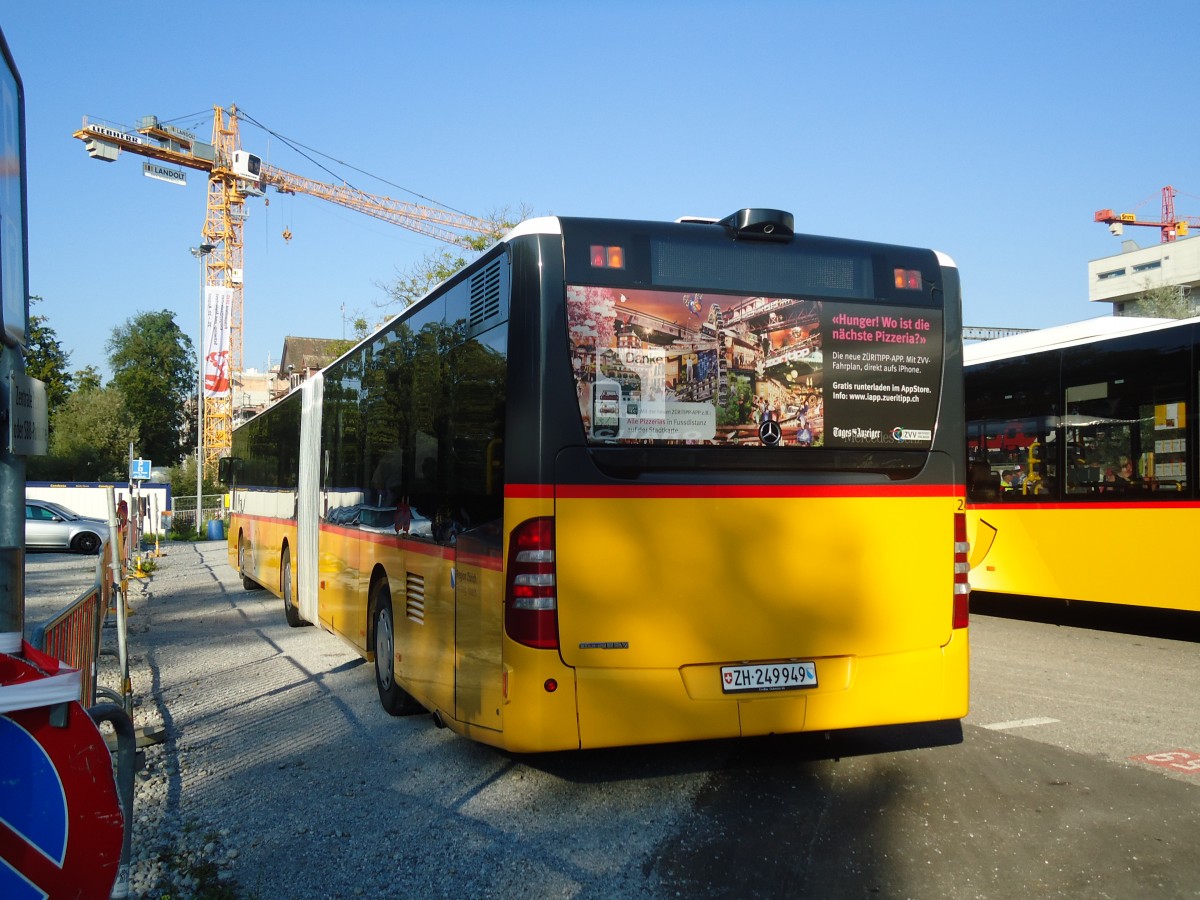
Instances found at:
x=530 y=595
x=962 y=587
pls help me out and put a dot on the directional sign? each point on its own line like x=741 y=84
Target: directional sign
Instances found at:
x=139 y=470
x=28 y=429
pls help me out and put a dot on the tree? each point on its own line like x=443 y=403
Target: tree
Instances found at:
x=1166 y=301
x=183 y=478
x=154 y=365
x=90 y=433
x=46 y=360
x=361 y=328
x=415 y=282
x=87 y=379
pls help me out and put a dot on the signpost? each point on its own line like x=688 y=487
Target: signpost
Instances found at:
x=139 y=470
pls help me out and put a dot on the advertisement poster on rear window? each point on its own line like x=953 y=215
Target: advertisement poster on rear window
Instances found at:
x=667 y=367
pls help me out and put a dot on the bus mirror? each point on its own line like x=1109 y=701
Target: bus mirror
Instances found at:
x=761 y=224
x=225 y=469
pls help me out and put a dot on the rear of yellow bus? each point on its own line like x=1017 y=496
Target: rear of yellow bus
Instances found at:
x=734 y=500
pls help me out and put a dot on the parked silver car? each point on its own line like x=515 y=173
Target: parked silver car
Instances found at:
x=51 y=526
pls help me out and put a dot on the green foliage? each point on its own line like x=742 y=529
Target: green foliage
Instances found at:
x=419 y=279
x=361 y=327
x=1167 y=301
x=183 y=479
x=153 y=364
x=87 y=379
x=185 y=533
x=46 y=360
x=90 y=434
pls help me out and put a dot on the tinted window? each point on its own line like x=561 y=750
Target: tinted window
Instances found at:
x=1103 y=421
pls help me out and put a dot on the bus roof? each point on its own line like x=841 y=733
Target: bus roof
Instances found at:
x=552 y=225
x=1059 y=336
x=538 y=225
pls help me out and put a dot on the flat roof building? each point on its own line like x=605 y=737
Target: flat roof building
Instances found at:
x=1124 y=279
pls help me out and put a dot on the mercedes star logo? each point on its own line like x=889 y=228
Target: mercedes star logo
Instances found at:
x=769 y=433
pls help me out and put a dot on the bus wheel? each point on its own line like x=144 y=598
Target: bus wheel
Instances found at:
x=248 y=583
x=290 y=612
x=396 y=701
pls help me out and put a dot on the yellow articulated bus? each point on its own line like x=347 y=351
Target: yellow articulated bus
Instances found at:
x=622 y=482
x=1082 y=479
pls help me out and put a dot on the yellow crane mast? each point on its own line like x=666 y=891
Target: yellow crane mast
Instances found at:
x=234 y=175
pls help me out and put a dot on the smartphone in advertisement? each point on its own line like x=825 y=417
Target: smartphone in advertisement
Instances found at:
x=606 y=409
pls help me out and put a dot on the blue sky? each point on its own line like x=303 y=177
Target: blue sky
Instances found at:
x=991 y=132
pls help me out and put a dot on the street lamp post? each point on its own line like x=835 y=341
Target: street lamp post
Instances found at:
x=200 y=252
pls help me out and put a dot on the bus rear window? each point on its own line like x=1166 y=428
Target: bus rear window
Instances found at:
x=671 y=367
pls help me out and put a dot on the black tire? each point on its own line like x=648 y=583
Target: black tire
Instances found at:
x=395 y=700
x=247 y=582
x=86 y=542
x=290 y=611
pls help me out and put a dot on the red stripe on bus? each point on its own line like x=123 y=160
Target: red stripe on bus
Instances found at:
x=394 y=540
x=529 y=491
x=726 y=491
x=278 y=519
x=1093 y=505
x=481 y=561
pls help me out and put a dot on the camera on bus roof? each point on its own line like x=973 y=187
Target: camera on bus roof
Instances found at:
x=761 y=224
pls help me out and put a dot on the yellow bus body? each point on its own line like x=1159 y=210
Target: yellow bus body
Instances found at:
x=663 y=576
x=667 y=577
x=1095 y=552
x=260 y=541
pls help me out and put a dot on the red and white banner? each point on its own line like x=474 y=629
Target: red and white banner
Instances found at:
x=33 y=678
x=218 y=317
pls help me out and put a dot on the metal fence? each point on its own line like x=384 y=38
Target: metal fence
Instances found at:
x=73 y=634
x=183 y=512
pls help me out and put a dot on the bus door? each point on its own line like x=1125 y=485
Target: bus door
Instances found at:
x=479 y=625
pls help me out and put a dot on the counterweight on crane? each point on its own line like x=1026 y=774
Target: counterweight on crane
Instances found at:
x=1170 y=227
x=234 y=175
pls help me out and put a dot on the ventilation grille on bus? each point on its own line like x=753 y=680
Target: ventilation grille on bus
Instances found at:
x=414 y=597
x=486 y=296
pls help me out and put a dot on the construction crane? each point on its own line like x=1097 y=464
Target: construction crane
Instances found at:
x=233 y=176
x=1169 y=225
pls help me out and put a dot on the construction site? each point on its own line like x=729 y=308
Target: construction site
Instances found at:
x=234 y=177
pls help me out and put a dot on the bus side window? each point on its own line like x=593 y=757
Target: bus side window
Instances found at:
x=982 y=484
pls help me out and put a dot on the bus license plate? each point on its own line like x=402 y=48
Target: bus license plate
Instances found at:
x=770 y=677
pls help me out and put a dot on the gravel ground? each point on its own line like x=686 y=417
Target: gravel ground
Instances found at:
x=280 y=776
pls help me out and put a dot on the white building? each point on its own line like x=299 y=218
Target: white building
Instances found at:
x=1121 y=279
x=252 y=393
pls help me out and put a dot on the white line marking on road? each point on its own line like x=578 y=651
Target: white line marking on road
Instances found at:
x=1018 y=723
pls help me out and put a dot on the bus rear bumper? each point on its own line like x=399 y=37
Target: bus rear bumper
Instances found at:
x=623 y=707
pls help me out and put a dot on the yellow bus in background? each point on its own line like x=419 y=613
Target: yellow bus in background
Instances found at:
x=1082 y=481
x=624 y=482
